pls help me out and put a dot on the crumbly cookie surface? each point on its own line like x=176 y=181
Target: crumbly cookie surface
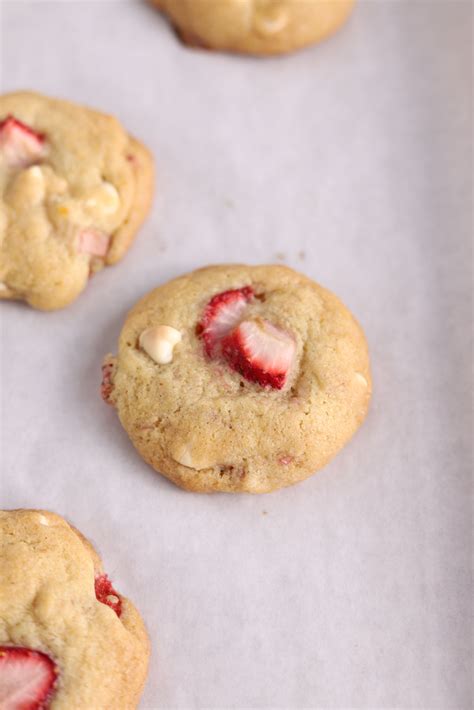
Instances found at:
x=258 y=27
x=74 y=189
x=204 y=411
x=48 y=604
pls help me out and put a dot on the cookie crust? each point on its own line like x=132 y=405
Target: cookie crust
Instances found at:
x=259 y=27
x=93 y=176
x=48 y=603
x=203 y=425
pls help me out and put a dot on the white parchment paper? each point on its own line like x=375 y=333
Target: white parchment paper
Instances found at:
x=349 y=161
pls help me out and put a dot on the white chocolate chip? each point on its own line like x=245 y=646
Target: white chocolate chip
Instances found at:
x=104 y=198
x=35 y=173
x=184 y=456
x=191 y=456
x=358 y=377
x=28 y=188
x=43 y=520
x=158 y=342
x=112 y=599
x=3 y=287
x=270 y=21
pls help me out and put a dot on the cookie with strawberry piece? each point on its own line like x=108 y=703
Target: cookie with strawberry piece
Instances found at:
x=260 y=27
x=74 y=189
x=68 y=638
x=239 y=378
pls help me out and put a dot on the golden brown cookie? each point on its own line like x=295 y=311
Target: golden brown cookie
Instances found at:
x=239 y=378
x=74 y=189
x=261 y=27
x=68 y=639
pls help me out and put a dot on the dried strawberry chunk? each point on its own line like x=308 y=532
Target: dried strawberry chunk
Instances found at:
x=260 y=352
x=27 y=678
x=20 y=145
x=93 y=242
x=221 y=315
x=106 y=594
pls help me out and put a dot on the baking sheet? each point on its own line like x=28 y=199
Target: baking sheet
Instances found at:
x=349 y=161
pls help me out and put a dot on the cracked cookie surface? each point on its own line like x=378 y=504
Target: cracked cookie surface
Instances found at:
x=261 y=27
x=57 y=604
x=268 y=379
x=74 y=190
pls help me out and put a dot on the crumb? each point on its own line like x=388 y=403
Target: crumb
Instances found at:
x=264 y=512
x=280 y=256
x=302 y=255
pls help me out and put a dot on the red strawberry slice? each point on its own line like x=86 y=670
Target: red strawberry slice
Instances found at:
x=19 y=144
x=106 y=594
x=260 y=352
x=93 y=242
x=221 y=315
x=27 y=679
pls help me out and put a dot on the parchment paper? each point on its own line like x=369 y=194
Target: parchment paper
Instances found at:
x=349 y=161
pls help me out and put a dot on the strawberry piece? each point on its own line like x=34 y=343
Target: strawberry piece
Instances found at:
x=260 y=352
x=20 y=144
x=221 y=315
x=106 y=387
x=27 y=679
x=93 y=242
x=106 y=594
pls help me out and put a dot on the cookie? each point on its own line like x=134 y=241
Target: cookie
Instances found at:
x=260 y=27
x=74 y=189
x=68 y=639
x=239 y=378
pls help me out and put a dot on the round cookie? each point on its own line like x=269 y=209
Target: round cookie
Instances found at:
x=74 y=189
x=68 y=639
x=239 y=378
x=261 y=27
